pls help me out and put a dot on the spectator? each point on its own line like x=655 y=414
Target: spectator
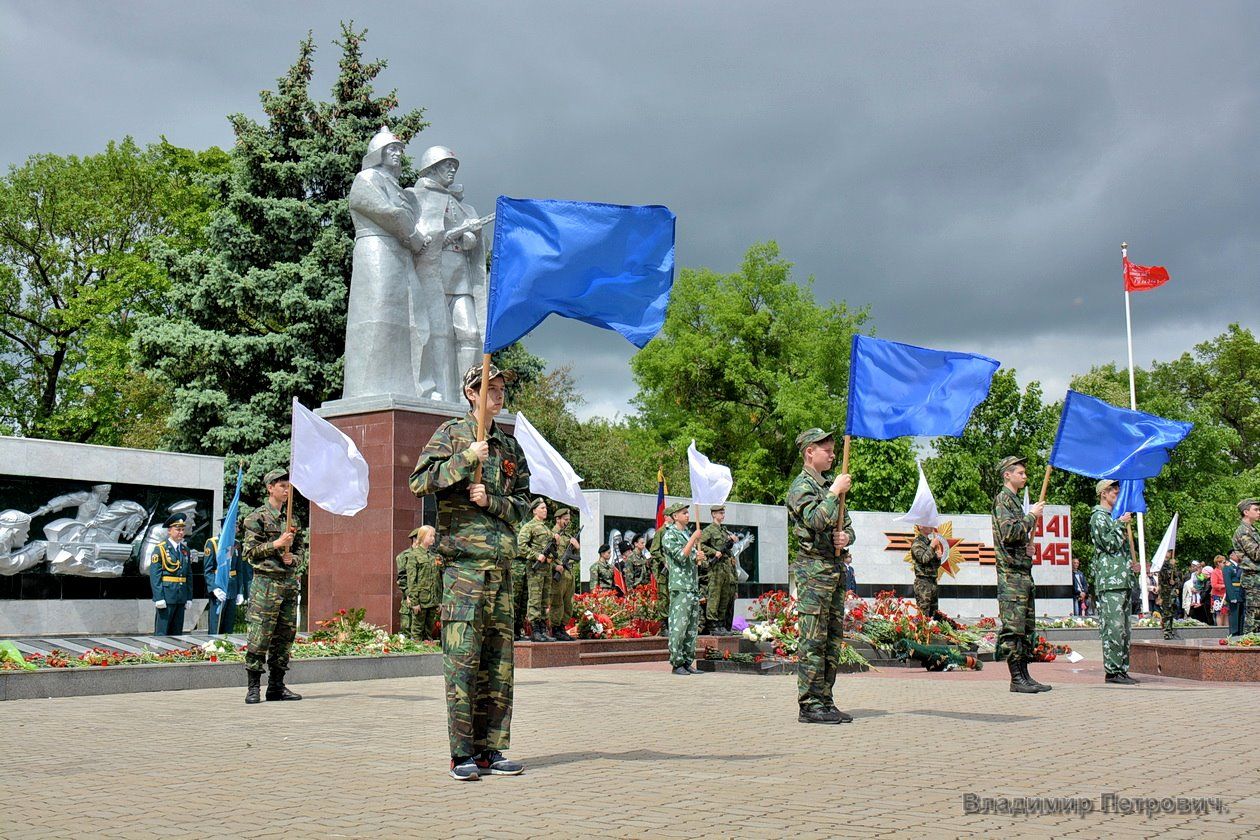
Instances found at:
x=1220 y=612
x=1080 y=590
x=1235 y=600
x=850 y=579
x=1188 y=596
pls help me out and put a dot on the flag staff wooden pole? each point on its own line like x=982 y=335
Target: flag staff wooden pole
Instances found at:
x=844 y=468
x=1045 y=484
x=1141 y=529
x=482 y=420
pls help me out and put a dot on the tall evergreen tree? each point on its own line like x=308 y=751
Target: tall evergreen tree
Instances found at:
x=261 y=311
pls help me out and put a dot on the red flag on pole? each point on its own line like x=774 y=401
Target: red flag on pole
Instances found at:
x=661 y=490
x=1141 y=278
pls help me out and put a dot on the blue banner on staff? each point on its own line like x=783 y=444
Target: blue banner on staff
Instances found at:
x=1131 y=498
x=898 y=389
x=227 y=537
x=609 y=265
x=1099 y=440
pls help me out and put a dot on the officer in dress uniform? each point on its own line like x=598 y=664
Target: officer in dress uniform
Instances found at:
x=170 y=579
x=223 y=602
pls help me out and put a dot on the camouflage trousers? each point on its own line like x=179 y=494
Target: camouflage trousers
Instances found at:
x=820 y=623
x=1017 y=609
x=520 y=593
x=662 y=592
x=1168 y=586
x=424 y=623
x=272 y=619
x=926 y=595
x=721 y=594
x=1251 y=605
x=1113 y=629
x=539 y=582
x=684 y=626
x=562 y=600
x=477 y=658
x=405 y=622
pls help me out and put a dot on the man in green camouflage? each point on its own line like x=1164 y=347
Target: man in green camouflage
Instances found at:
x=813 y=507
x=563 y=581
x=638 y=569
x=1013 y=548
x=927 y=564
x=482 y=490
x=716 y=542
x=601 y=570
x=405 y=623
x=1169 y=587
x=423 y=584
x=661 y=569
x=536 y=548
x=1247 y=544
x=1113 y=582
x=679 y=551
x=271 y=548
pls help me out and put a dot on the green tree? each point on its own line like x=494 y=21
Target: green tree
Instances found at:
x=78 y=240
x=258 y=316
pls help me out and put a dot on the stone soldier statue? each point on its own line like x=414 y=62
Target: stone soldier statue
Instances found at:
x=271 y=546
x=223 y=602
x=1247 y=544
x=455 y=264
x=1113 y=581
x=564 y=578
x=170 y=578
x=423 y=584
x=1013 y=549
x=813 y=505
x=16 y=553
x=716 y=543
x=679 y=551
x=390 y=318
x=536 y=546
x=601 y=570
x=482 y=490
x=927 y=562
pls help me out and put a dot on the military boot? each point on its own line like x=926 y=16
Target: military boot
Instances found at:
x=1023 y=667
x=276 y=689
x=548 y=635
x=538 y=635
x=1020 y=684
x=561 y=635
x=251 y=693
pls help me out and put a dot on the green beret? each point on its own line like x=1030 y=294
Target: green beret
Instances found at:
x=1103 y=484
x=814 y=435
x=533 y=505
x=1008 y=462
x=675 y=507
x=472 y=378
x=1246 y=503
x=275 y=475
x=716 y=508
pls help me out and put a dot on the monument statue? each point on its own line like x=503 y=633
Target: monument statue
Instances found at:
x=16 y=554
x=454 y=266
x=92 y=543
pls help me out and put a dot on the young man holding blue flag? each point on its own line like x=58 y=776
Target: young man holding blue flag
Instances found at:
x=224 y=601
x=1013 y=548
x=1113 y=580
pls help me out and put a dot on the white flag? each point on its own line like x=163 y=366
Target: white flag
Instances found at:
x=923 y=509
x=326 y=466
x=549 y=474
x=710 y=483
x=1027 y=507
x=1167 y=544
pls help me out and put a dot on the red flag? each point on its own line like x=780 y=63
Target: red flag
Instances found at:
x=660 y=497
x=1140 y=278
x=619 y=581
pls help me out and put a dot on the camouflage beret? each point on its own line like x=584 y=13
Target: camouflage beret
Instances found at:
x=814 y=435
x=1008 y=462
x=1246 y=503
x=716 y=508
x=275 y=475
x=534 y=503
x=176 y=519
x=472 y=378
x=563 y=512
x=675 y=507
x=414 y=533
x=1103 y=484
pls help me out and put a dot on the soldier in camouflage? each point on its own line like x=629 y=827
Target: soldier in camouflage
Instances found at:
x=716 y=541
x=563 y=580
x=927 y=564
x=1169 y=586
x=638 y=570
x=535 y=549
x=1247 y=544
x=1013 y=549
x=656 y=561
x=482 y=490
x=601 y=570
x=271 y=547
x=400 y=578
x=423 y=583
x=1113 y=582
x=679 y=552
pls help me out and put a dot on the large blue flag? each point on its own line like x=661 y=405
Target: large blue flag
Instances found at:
x=1131 y=498
x=227 y=536
x=609 y=265
x=898 y=389
x=1099 y=440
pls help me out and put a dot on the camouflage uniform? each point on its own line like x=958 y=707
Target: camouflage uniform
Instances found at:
x=601 y=575
x=477 y=546
x=926 y=564
x=563 y=583
x=273 y=595
x=684 y=597
x=1017 y=602
x=405 y=623
x=1113 y=582
x=423 y=588
x=1247 y=541
x=715 y=540
x=1169 y=586
x=662 y=579
x=813 y=513
x=535 y=538
x=638 y=571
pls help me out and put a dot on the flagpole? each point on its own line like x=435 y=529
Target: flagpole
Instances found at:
x=844 y=469
x=481 y=409
x=1045 y=484
x=1141 y=528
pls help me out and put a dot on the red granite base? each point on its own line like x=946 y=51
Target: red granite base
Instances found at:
x=607 y=651
x=1195 y=659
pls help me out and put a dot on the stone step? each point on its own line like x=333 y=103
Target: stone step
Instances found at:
x=619 y=656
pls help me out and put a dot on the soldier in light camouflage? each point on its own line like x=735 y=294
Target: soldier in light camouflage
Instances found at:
x=536 y=548
x=1113 y=582
x=1247 y=544
x=602 y=570
x=638 y=570
x=927 y=564
x=1013 y=549
x=423 y=583
x=715 y=542
x=1169 y=586
x=563 y=580
x=813 y=507
x=679 y=551
x=482 y=490
x=271 y=547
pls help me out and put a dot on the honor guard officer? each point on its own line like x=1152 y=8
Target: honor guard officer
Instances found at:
x=601 y=570
x=170 y=578
x=716 y=542
x=535 y=546
x=223 y=602
x=562 y=582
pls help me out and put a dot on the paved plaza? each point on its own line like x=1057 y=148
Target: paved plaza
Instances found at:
x=632 y=751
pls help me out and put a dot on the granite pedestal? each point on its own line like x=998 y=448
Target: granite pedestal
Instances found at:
x=1195 y=659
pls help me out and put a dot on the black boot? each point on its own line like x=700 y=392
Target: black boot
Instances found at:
x=251 y=693
x=548 y=633
x=1023 y=667
x=276 y=689
x=561 y=634
x=1020 y=683
x=538 y=635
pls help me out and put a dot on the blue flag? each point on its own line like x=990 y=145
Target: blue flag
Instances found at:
x=1131 y=499
x=898 y=389
x=1099 y=440
x=606 y=264
x=227 y=537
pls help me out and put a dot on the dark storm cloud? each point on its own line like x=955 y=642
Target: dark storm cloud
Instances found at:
x=966 y=170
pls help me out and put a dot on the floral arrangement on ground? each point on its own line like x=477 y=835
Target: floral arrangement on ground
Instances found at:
x=607 y=614
x=1249 y=640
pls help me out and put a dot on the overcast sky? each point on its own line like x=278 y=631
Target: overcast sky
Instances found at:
x=966 y=170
